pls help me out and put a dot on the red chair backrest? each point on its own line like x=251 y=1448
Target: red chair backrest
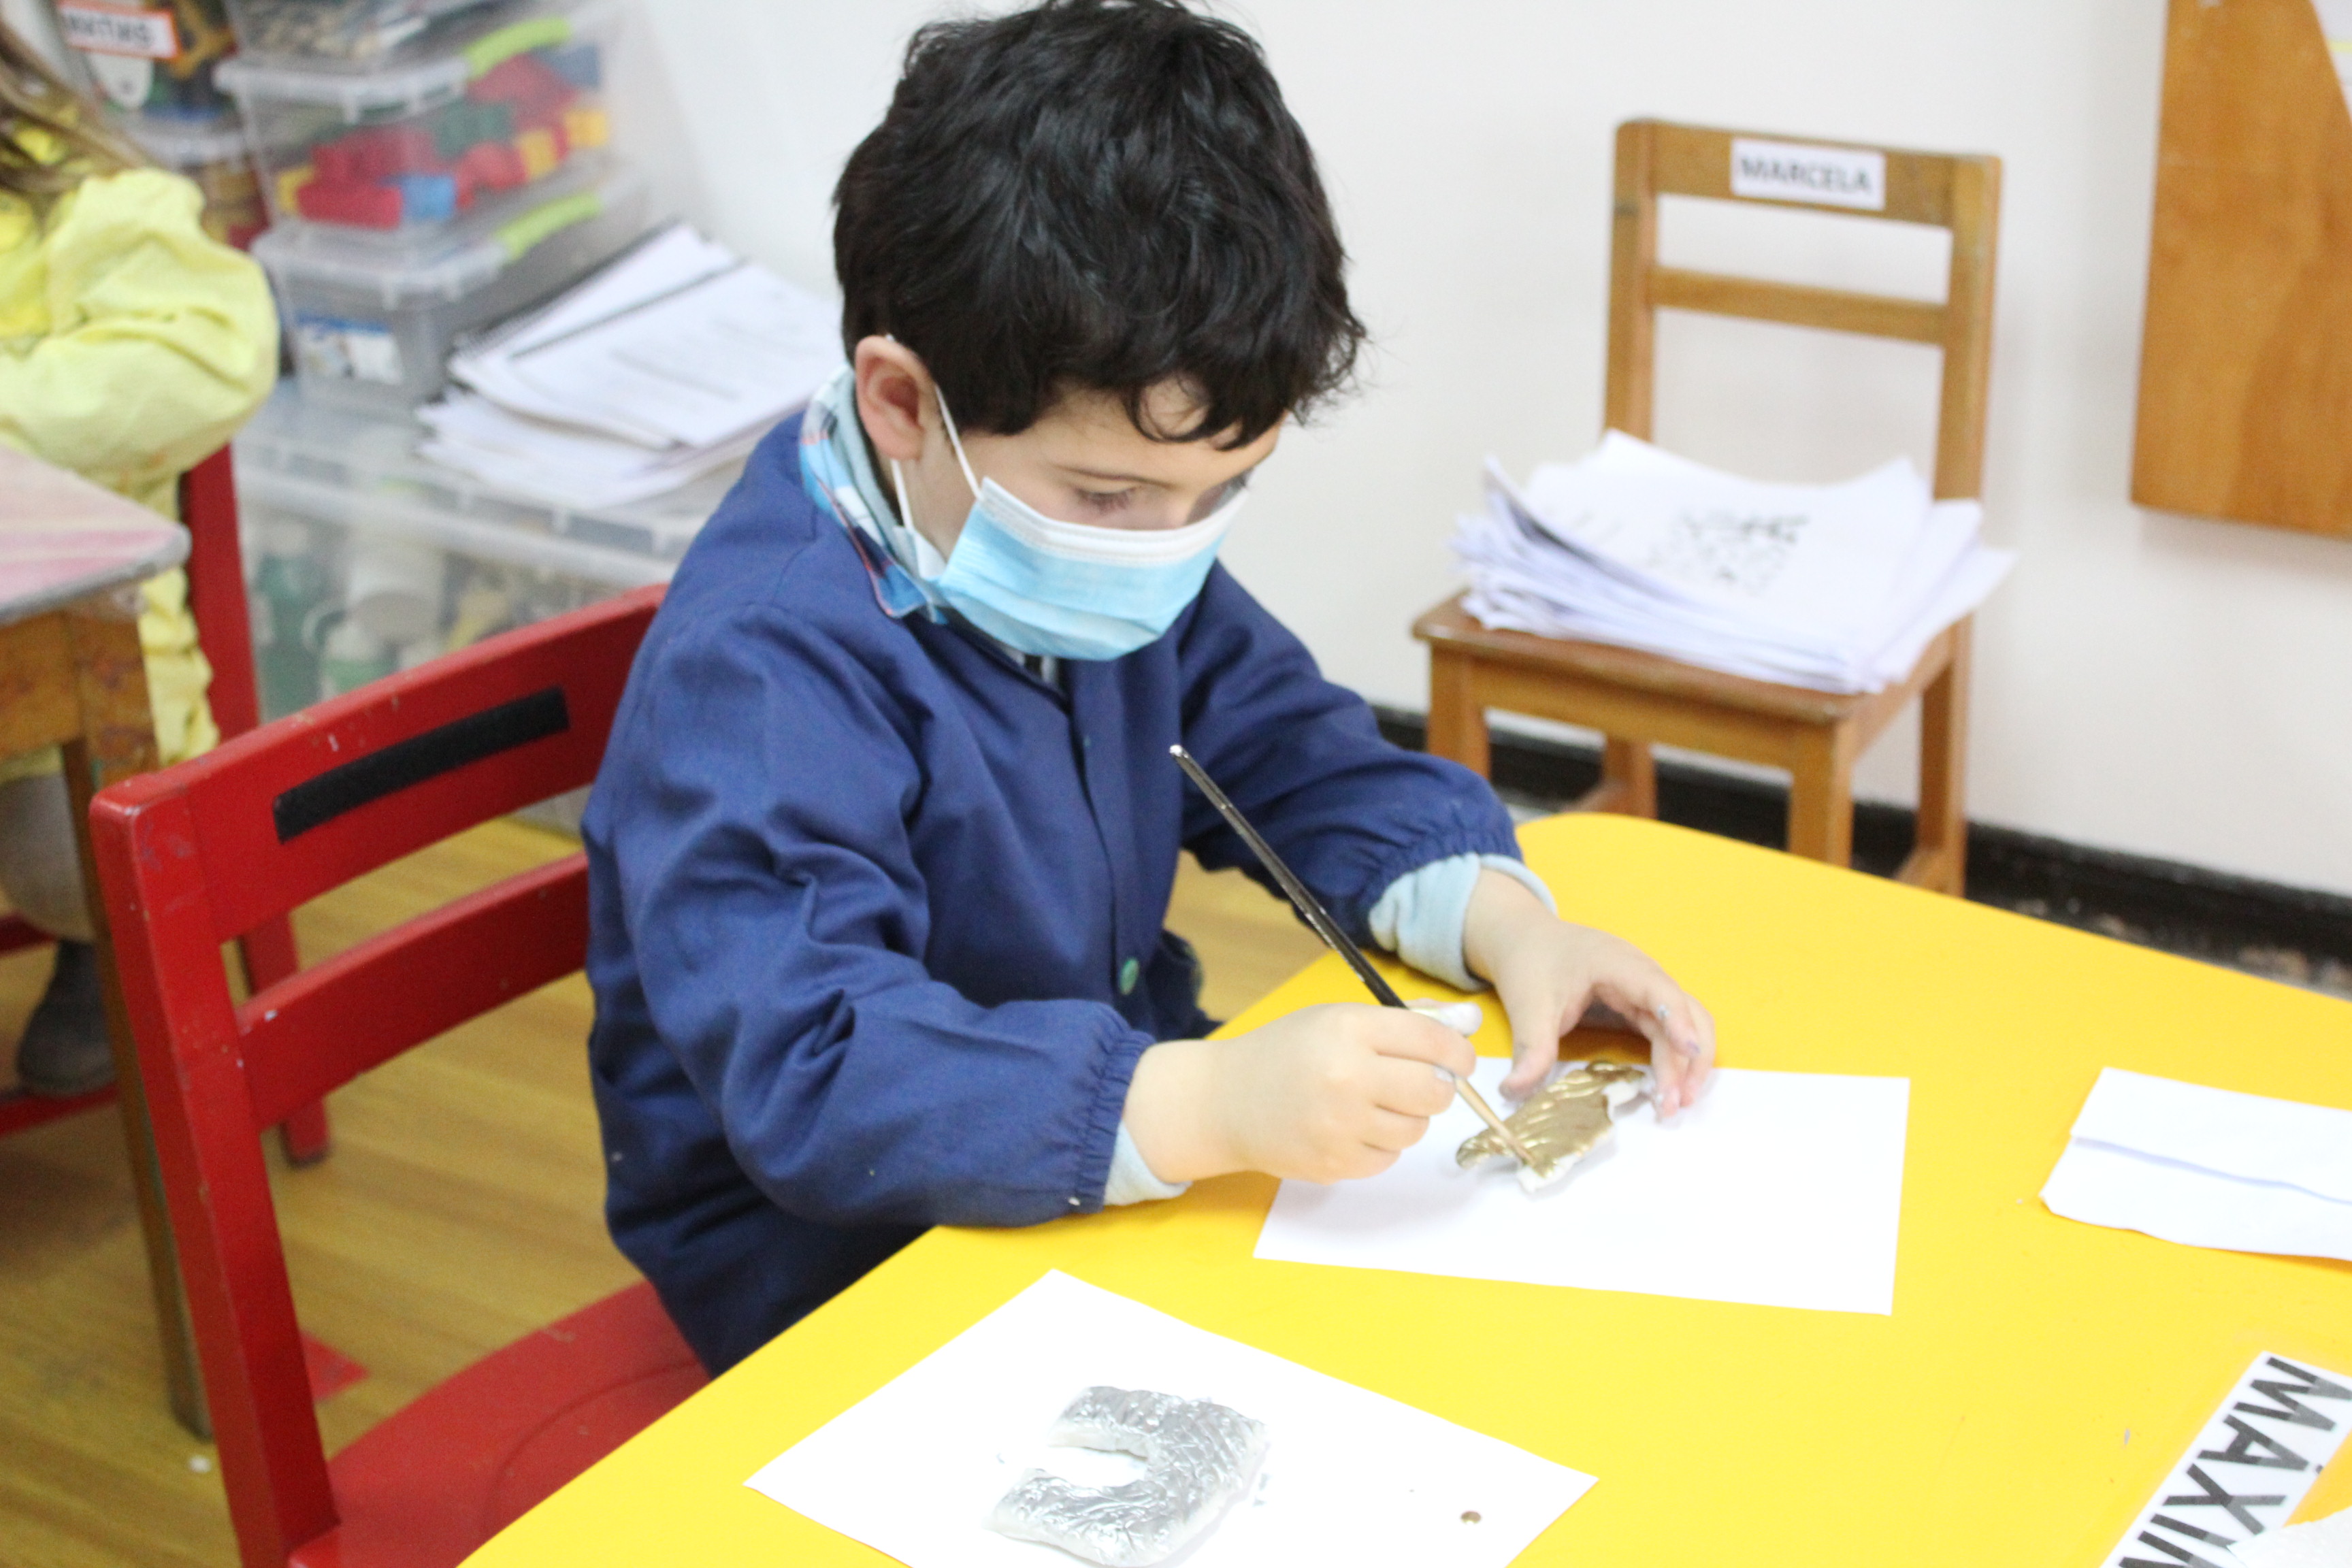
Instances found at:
x=194 y=855
x=216 y=591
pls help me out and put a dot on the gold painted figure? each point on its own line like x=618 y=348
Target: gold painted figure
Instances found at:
x=1563 y=1121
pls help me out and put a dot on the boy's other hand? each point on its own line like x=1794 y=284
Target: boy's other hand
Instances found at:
x=1550 y=976
x=1325 y=1094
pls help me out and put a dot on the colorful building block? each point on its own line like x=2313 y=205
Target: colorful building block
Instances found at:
x=388 y=151
x=538 y=152
x=493 y=166
x=427 y=198
x=526 y=83
x=337 y=162
x=581 y=65
x=459 y=126
x=289 y=186
x=360 y=205
x=586 y=128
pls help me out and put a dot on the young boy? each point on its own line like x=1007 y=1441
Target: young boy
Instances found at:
x=882 y=846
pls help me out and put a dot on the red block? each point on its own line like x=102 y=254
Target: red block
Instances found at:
x=338 y=162
x=392 y=150
x=361 y=206
x=493 y=166
x=534 y=89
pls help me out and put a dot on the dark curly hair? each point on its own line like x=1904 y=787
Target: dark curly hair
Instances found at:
x=1100 y=195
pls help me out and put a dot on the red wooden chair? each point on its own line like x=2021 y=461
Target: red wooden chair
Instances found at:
x=224 y=628
x=195 y=853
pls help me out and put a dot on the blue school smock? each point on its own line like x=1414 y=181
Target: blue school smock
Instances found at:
x=875 y=914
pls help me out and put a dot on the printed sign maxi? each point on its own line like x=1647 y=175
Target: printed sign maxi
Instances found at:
x=2246 y=1472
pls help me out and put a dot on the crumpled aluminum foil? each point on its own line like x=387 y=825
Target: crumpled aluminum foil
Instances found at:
x=1199 y=1458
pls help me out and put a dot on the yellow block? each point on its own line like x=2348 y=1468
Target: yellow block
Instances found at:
x=586 y=128
x=2035 y=1383
x=538 y=153
x=289 y=188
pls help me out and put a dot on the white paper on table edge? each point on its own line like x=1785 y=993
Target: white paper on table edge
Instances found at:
x=1574 y=1484
x=2250 y=1137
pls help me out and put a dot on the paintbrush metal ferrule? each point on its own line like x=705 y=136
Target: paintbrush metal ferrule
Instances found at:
x=1311 y=910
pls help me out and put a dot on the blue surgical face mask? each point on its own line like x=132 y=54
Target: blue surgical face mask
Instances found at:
x=1065 y=589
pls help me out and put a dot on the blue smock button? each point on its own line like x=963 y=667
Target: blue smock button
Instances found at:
x=1128 y=975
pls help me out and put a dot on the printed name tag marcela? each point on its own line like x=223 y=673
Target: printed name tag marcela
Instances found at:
x=1793 y=172
x=2246 y=1472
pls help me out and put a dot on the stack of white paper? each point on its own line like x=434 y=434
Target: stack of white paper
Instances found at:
x=669 y=363
x=2208 y=1168
x=1838 y=587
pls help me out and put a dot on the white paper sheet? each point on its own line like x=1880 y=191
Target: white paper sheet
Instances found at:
x=2314 y=1543
x=1350 y=1476
x=671 y=361
x=2208 y=1168
x=1839 y=587
x=1779 y=1189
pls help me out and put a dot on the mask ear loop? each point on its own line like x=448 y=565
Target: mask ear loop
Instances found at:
x=955 y=441
x=906 y=509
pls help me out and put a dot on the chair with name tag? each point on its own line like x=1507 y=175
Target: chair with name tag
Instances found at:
x=1639 y=699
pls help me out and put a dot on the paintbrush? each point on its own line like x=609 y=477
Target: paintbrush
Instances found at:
x=1311 y=910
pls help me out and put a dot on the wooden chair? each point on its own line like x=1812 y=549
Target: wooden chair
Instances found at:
x=195 y=853
x=1640 y=700
x=224 y=629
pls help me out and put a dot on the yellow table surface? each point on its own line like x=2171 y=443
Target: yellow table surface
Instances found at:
x=2035 y=1383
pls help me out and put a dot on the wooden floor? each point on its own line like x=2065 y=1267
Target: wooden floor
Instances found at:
x=459 y=1210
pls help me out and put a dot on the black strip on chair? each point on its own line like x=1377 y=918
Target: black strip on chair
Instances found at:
x=406 y=763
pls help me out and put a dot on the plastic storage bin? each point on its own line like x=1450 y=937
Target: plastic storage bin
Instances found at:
x=363 y=558
x=213 y=153
x=155 y=59
x=421 y=144
x=370 y=329
x=349 y=33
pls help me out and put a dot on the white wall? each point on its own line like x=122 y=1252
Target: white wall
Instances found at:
x=2145 y=682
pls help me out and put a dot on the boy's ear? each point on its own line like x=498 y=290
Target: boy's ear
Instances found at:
x=894 y=396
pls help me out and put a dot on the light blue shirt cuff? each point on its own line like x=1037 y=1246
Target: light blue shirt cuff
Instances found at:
x=1421 y=916
x=1131 y=1181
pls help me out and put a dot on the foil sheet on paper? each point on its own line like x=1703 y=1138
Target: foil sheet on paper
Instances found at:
x=1563 y=1121
x=1198 y=1459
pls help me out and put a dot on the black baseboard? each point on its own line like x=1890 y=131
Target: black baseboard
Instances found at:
x=2292 y=933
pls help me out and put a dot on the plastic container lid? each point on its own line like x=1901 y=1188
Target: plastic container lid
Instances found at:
x=356 y=33
x=416 y=86
x=179 y=143
x=443 y=267
x=362 y=472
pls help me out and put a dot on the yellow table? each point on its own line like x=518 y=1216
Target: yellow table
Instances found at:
x=2035 y=1383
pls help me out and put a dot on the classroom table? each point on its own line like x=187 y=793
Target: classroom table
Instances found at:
x=2034 y=1384
x=71 y=675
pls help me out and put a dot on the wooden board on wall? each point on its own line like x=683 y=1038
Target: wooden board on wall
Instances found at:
x=2246 y=393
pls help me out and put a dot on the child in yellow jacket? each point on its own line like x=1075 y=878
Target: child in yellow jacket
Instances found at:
x=132 y=345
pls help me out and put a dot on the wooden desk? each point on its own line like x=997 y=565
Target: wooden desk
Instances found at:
x=71 y=675
x=2034 y=1384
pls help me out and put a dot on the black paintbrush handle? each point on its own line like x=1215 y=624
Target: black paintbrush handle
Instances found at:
x=1309 y=905
x=1306 y=902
